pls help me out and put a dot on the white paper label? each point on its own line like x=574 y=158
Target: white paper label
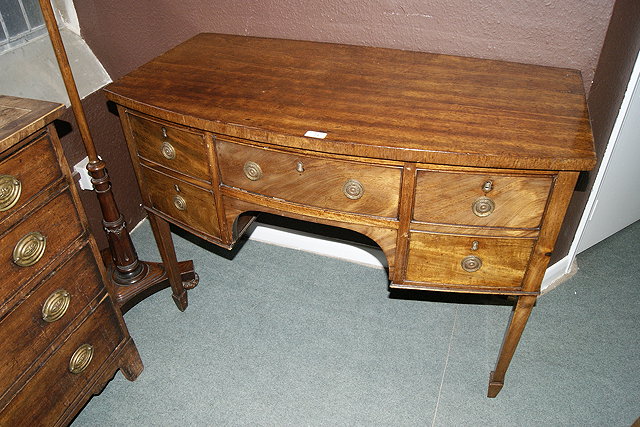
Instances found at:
x=314 y=134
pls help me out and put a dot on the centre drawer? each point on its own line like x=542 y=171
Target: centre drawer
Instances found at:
x=468 y=260
x=329 y=183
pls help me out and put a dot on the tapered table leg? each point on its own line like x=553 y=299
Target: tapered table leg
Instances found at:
x=162 y=234
x=517 y=322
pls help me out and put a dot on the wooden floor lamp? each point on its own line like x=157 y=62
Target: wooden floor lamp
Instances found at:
x=132 y=278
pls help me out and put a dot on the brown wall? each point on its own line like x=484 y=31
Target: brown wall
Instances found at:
x=125 y=34
x=569 y=33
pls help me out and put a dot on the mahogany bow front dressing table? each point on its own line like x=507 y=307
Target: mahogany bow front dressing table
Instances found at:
x=460 y=169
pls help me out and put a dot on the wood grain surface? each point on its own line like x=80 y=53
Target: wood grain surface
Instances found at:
x=190 y=154
x=320 y=181
x=32 y=180
x=447 y=197
x=61 y=226
x=437 y=258
x=199 y=211
x=374 y=102
x=20 y=117
x=44 y=405
x=81 y=279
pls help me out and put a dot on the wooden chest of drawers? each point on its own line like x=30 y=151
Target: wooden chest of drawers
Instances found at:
x=460 y=169
x=62 y=337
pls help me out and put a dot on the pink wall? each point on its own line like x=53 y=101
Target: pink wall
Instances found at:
x=568 y=33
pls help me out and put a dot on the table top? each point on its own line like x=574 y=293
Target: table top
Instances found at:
x=370 y=102
x=20 y=117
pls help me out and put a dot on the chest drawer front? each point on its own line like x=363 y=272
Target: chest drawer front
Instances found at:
x=171 y=146
x=25 y=174
x=53 y=388
x=185 y=203
x=320 y=182
x=59 y=299
x=481 y=199
x=468 y=260
x=37 y=240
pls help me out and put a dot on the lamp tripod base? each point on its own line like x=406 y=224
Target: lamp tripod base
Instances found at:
x=152 y=278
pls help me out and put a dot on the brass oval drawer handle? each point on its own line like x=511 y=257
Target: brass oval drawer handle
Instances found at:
x=471 y=263
x=80 y=359
x=180 y=203
x=168 y=151
x=252 y=170
x=483 y=206
x=29 y=249
x=353 y=189
x=10 y=190
x=56 y=305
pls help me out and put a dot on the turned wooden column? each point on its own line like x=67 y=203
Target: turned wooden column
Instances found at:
x=130 y=276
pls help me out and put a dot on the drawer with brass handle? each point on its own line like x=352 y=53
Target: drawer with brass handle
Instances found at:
x=20 y=181
x=472 y=261
x=29 y=245
x=67 y=371
x=170 y=146
x=181 y=201
x=55 y=302
x=343 y=185
x=489 y=199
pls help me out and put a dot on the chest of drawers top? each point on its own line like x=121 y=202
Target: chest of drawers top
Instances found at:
x=370 y=102
x=21 y=117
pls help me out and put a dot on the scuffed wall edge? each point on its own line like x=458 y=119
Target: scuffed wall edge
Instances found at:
x=66 y=15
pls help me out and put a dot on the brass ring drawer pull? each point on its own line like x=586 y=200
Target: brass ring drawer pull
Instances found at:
x=471 y=263
x=10 y=190
x=353 y=189
x=180 y=203
x=168 y=151
x=56 y=305
x=29 y=249
x=81 y=358
x=252 y=170
x=483 y=206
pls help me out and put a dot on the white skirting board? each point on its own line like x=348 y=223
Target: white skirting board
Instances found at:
x=558 y=273
x=335 y=248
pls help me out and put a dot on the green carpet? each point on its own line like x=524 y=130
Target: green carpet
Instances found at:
x=279 y=337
